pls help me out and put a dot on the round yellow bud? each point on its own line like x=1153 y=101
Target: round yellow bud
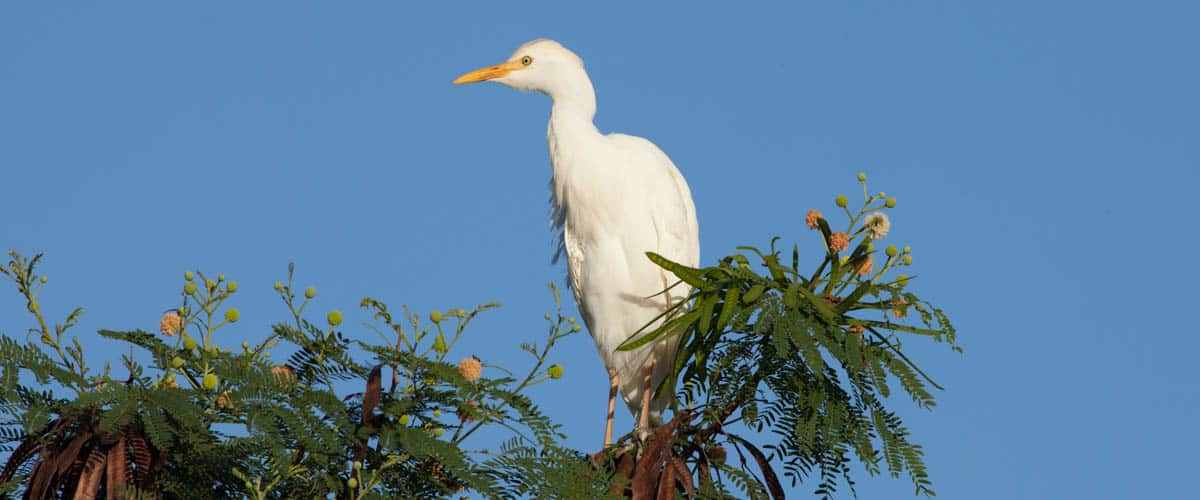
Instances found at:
x=189 y=288
x=841 y=200
x=404 y=419
x=220 y=277
x=575 y=328
x=907 y=260
x=555 y=371
x=437 y=432
x=890 y=203
x=231 y=286
x=232 y=315
x=210 y=381
x=43 y=279
x=357 y=465
x=189 y=343
x=177 y=362
x=902 y=280
x=439 y=344
x=907 y=249
x=310 y=292
x=188 y=276
x=437 y=412
x=435 y=316
x=210 y=284
x=571 y=320
x=334 y=318
x=245 y=345
x=862 y=177
x=891 y=250
x=278 y=286
x=352 y=483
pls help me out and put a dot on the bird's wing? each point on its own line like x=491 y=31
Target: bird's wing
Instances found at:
x=660 y=194
x=669 y=200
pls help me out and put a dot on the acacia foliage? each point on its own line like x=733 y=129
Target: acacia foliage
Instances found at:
x=203 y=420
x=806 y=358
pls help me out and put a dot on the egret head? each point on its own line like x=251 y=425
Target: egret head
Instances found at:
x=541 y=65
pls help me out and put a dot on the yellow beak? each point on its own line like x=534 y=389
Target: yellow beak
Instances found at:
x=489 y=73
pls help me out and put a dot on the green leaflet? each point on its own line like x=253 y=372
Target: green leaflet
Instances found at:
x=727 y=307
x=672 y=327
x=753 y=294
x=689 y=275
x=822 y=307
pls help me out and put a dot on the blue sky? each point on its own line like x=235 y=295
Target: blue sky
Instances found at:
x=1043 y=155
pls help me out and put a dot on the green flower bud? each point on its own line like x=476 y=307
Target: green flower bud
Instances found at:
x=907 y=249
x=357 y=465
x=437 y=432
x=34 y=306
x=891 y=250
x=547 y=316
x=571 y=320
x=435 y=316
x=232 y=315
x=352 y=483
x=177 y=362
x=334 y=318
x=404 y=419
x=189 y=343
x=841 y=200
x=310 y=292
x=220 y=277
x=210 y=284
x=189 y=288
x=575 y=328
x=214 y=350
x=245 y=345
x=881 y=194
x=902 y=279
x=43 y=279
x=439 y=345
x=278 y=286
x=437 y=412
x=187 y=275
x=890 y=203
x=862 y=177
x=210 y=381
x=555 y=371
x=231 y=286
x=907 y=260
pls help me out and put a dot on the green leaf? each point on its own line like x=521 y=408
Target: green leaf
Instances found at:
x=672 y=327
x=819 y=304
x=689 y=275
x=727 y=308
x=751 y=296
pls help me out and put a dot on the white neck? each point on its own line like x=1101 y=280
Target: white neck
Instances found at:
x=574 y=97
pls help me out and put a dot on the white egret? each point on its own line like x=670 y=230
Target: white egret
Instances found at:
x=614 y=197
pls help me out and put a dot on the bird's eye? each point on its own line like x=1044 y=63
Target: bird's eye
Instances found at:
x=527 y=60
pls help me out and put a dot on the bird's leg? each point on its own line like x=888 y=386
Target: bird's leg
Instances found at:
x=613 y=381
x=644 y=418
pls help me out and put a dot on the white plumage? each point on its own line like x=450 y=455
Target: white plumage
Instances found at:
x=614 y=198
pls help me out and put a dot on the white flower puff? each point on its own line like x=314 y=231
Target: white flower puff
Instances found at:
x=877 y=225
